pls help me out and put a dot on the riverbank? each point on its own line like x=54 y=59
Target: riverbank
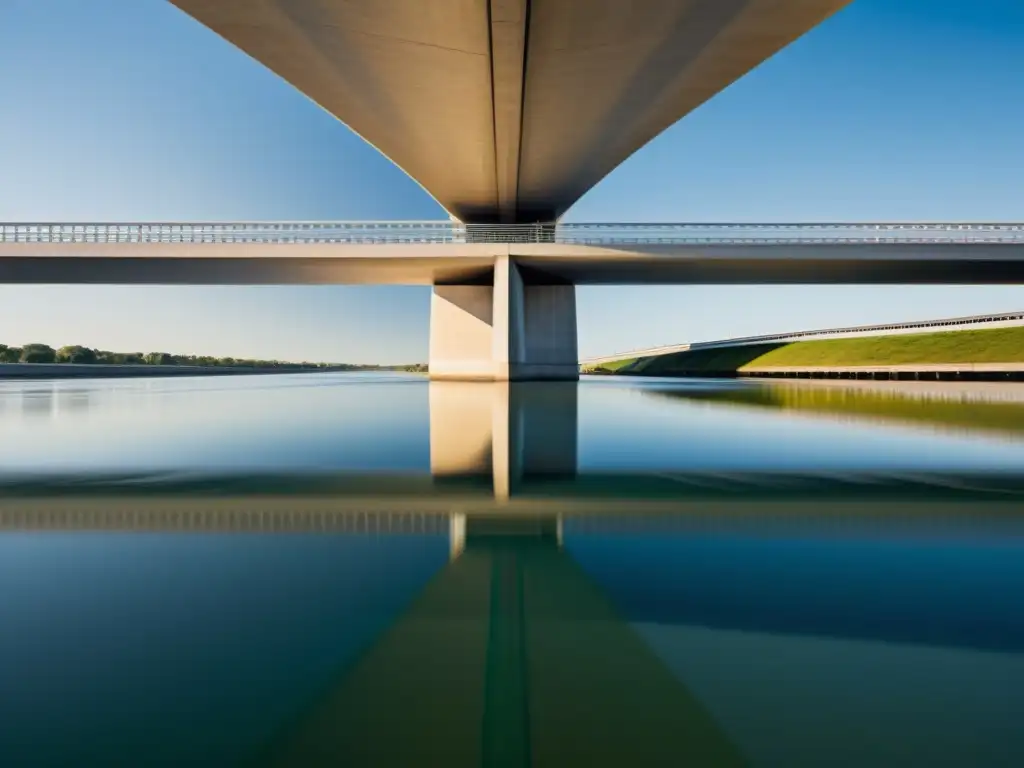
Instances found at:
x=976 y=407
x=85 y=371
x=990 y=354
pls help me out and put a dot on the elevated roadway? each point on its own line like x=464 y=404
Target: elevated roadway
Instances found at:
x=504 y=303
x=447 y=254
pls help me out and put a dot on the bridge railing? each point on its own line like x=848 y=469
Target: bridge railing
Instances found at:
x=610 y=234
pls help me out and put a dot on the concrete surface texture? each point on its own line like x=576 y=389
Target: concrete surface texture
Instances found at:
x=473 y=263
x=510 y=329
x=507 y=311
x=509 y=110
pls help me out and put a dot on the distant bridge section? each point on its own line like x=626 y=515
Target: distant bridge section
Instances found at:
x=997 y=320
x=994 y=320
x=594 y=362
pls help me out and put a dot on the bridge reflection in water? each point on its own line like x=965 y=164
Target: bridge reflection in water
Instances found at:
x=507 y=431
x=510 y=656
x=523 y=649
x=520 y=651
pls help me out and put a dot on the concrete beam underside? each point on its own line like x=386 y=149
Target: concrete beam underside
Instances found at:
x=509 y=330
x=472 y=264
x=509 y=110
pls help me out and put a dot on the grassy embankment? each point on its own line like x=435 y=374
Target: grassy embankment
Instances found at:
x=993 y=345
x=612 y=367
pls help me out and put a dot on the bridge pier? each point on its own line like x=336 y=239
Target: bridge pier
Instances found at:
x=519 y=326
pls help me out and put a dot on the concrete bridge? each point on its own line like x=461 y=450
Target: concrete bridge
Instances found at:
x=504 y=303
x=507 y=112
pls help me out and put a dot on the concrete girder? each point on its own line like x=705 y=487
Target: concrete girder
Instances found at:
x=472 y=264
x=509 y=110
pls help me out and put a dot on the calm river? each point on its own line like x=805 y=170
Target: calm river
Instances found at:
x=375 y=570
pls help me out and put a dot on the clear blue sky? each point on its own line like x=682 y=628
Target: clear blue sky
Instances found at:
x=129 y=110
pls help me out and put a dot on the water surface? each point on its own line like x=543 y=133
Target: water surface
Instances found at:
x=366 y=569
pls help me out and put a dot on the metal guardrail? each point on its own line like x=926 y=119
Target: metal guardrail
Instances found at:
x=645 y=352
x=913 y=325
x=385 y=232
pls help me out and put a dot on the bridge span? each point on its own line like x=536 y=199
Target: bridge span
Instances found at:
x=504 y=305
x=509 y=110
x=506 y=112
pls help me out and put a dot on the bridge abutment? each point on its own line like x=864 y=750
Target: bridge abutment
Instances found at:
x=517 y=328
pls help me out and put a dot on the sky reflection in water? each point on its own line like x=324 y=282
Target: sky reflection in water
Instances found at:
x=383 y=423
x=471 y=631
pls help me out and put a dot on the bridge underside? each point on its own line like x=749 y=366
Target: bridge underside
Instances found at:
x=474 y=263
x=509 y=110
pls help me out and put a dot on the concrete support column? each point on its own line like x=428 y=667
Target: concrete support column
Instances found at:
x=460 y=332
x=511 y=330
x=508 y=332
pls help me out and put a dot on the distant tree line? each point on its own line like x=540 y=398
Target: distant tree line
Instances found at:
x=76 y=354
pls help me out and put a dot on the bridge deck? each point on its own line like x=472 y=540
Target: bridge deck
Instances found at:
x=309 y=263
x=440 y=252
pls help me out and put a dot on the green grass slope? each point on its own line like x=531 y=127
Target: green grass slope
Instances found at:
x=992 y=345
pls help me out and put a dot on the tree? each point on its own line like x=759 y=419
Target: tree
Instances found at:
x=38 y=353
x=76 y=354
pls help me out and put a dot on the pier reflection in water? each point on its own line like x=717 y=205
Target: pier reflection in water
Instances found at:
x=519 y=598
x=505 y=431
x=730 y=633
